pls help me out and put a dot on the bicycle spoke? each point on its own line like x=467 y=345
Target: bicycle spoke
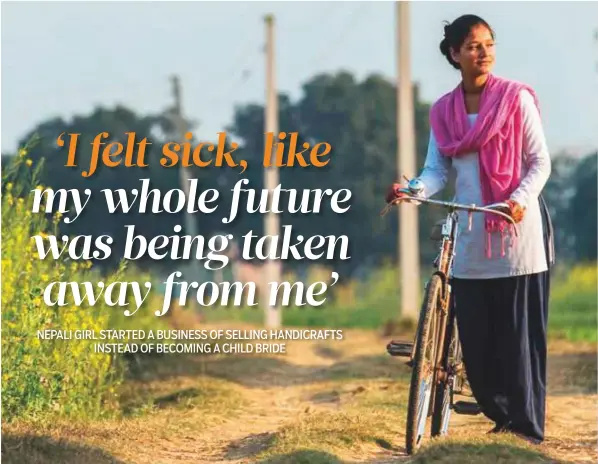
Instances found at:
x=423 y=409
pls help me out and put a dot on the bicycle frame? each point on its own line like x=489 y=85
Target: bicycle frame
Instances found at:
x=444 y=265
x=449 y=232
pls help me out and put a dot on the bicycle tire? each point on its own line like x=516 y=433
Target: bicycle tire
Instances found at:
x=442 y=402
x=419 y=401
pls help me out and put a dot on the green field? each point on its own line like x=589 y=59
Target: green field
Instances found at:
x=573 y=311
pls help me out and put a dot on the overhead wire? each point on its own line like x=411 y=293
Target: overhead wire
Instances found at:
x=242 y=74
x=244 y=66
x=350 y=22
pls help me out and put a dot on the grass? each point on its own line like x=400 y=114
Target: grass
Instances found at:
x=175 y=409
x=344 y=432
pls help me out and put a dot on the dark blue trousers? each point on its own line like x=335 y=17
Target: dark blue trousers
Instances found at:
x=502 y=326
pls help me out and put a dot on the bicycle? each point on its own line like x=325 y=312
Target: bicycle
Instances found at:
x=435 y=355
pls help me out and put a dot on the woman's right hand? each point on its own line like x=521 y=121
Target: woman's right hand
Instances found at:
x=393 y=193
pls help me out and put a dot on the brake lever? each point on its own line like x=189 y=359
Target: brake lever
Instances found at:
x=388 y=206
x=408 y=196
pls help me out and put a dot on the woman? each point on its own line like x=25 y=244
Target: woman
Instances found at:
x=488 y=129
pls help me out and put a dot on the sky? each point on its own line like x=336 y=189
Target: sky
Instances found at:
x=62 y=59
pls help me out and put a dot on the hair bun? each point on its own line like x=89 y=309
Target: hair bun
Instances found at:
x=447 y=27
x=444 y=46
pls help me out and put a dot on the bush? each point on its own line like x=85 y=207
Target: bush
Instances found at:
x=573 y=309
x=42 y=378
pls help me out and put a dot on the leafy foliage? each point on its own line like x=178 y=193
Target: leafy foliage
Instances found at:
x=42 y=377
x=571 y=197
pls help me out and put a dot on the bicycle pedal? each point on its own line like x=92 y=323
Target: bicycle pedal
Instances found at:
x=401 y=349
x=467 y=408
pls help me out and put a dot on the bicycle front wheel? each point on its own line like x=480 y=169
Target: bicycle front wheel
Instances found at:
x=422 y=376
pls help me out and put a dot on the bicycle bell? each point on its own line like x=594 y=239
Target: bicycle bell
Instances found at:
x=415 y=186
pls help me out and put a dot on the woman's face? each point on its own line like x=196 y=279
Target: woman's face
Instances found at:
x=476 y=56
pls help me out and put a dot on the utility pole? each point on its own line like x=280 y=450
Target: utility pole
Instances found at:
x=180 y=129
x=273 y=315
x=408 y=239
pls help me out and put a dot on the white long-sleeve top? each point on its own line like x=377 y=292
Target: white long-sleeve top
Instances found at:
x=528 y=254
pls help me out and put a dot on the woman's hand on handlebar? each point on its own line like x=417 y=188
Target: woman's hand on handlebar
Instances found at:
x=510 y=208
x=517 y=211
x=393 y=192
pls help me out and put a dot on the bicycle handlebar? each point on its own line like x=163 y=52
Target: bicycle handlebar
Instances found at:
x=492 y=208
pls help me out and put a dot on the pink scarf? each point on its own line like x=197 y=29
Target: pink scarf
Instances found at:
x=497 y=135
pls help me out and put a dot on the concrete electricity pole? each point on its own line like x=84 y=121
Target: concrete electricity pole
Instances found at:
x=180 y=128
x=273 y=315
x=408 y=239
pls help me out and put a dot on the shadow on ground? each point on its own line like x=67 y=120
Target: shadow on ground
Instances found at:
x=254 y=371
x=303 y=457
x=249 y=446
x=569 y=373
x=573 y=373
x=448 y=453
x=480 y=453
x=34 y=449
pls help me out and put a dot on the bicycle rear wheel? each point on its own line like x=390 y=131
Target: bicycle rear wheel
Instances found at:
x=422 y=376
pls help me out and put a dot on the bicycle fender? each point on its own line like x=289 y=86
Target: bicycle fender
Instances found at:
x=444 y=279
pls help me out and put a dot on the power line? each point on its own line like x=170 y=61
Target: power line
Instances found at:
x=242 y=73
x=351 y=21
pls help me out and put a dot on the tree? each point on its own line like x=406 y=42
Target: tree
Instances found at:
x=583 y=210
x=558 y=193
x=358 y=120
x=570 y=194
x=96 y=220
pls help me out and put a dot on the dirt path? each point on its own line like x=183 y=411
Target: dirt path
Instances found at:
x=335 y=401
x=301 y=386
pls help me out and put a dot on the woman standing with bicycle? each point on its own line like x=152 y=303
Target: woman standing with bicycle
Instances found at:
x=488 y=129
